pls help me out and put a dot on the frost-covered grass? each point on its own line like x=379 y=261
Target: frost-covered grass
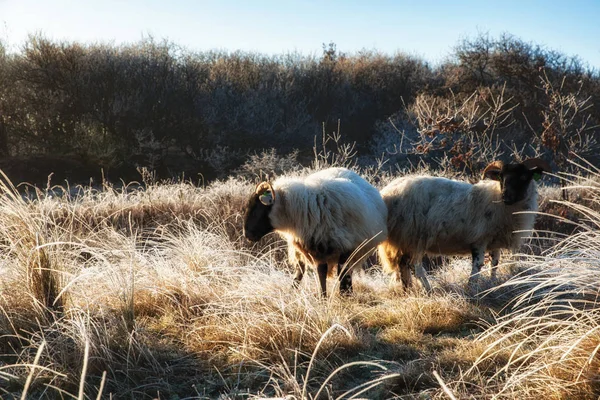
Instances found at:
x=153 y=293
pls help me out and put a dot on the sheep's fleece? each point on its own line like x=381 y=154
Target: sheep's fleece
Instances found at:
x=432 y=215
x=443 y=216
x=328 y=213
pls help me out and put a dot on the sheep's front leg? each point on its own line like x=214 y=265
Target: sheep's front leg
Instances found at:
x=322 y=273
x=478 y=254
x=495 y=261
x=344 y=274
x=300 y=268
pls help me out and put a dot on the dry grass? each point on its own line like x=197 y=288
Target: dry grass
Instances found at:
x=152 y=293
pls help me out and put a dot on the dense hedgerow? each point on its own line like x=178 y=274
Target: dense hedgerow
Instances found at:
x=154 y=104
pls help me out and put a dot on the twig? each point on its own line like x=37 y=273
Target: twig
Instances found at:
x=443 y=385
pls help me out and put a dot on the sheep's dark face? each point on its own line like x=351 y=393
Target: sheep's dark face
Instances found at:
x=256 y=221
x=515 y=182
x=516 y=178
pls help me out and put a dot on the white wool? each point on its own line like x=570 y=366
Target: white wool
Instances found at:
x=334 y=206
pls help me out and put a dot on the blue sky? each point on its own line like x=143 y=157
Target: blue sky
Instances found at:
x=426 y=28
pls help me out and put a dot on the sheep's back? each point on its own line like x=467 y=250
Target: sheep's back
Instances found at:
x=373 y=197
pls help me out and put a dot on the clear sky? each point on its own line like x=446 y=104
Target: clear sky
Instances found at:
x=427 y=28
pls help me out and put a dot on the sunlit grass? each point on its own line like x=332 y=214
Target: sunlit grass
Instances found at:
x=153 y=293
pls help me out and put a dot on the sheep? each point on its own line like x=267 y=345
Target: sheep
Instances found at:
x=327 y=218
x=432 y=215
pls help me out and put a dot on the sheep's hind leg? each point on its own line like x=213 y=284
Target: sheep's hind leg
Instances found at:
x=422 y=275
x=322 y=273
x=405 y=273
x=495 y=261
x=478 y=259
x=344 y=274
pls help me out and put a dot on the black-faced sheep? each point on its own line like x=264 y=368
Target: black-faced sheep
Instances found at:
x=439 y=216
x=327 y=218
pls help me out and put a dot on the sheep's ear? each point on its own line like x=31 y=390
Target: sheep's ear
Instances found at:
x=493 y=171
x=266 y=193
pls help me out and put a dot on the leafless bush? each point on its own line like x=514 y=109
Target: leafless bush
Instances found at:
x=464 y=131
x=569 y=126
x=332 y=151
x=268 y=164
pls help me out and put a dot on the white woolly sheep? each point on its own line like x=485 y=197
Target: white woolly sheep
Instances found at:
x=327 y=218
x=439 y=216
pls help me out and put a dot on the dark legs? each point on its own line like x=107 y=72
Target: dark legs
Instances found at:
x=322 y=272
x=404 y=266
x=478 y=259
x=495 y=260
x=344 y=274
x=422 y=275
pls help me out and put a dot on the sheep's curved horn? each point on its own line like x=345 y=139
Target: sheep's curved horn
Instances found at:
x=263 y=187
x=493 y=170
x=532 y=163
x=266 y=193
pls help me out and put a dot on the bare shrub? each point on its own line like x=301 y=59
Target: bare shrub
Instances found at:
x=568 y=124
x=268 y=164
x=463 y=131
x=331 y=151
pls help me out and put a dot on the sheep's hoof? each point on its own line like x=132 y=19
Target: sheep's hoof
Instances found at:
x=424 y=291
x=473 y=284
x=425 y=287
x=346 y=286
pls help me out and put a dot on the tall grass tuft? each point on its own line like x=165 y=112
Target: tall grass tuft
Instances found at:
x=25 y=235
